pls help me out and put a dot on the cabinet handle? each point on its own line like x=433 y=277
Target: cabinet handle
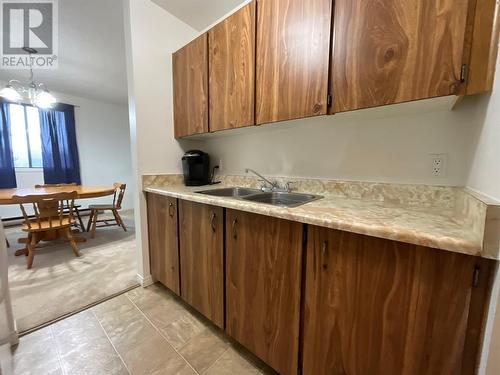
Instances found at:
x=170 y=207
x=235 y=233
x=212 y=222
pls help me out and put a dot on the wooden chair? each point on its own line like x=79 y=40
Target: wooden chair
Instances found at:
x=117 y=205
x=76 y=207
x=50 y=221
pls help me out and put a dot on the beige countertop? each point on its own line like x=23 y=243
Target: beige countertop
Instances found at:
x=452 y=220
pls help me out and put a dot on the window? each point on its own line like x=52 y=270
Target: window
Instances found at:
x=26 y=138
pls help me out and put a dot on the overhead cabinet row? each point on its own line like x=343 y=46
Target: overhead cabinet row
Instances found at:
x=276 y=60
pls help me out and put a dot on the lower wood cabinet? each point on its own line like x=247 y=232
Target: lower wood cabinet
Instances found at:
x=201 y=232
x=351 y=304
x=374 y=306
x=163 y=240
x=263 y=278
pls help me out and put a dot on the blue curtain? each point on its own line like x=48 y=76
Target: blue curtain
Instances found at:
x=61 y=164
x=7 y=171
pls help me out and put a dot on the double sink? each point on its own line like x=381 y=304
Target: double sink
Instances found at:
x=275 y=198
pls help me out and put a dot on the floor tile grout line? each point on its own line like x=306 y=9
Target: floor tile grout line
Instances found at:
x=217 y=360
x=161 y=334
x=59 y=358
x=133 y=307
x=185 y=344
x=111 y=342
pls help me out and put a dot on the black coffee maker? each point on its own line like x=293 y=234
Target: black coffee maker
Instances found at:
x=196 y=168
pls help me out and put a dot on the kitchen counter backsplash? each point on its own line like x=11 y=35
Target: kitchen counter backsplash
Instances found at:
x=479 y=216
x=161 y=180
x=397 y=194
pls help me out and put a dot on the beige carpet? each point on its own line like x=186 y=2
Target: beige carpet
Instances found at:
x=59 y=283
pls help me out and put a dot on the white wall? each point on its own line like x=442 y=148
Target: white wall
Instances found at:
x=102 y=132
x=484 y=172
x=103 y=136
x=387 y=144
x=25 y=178
x=152 y=35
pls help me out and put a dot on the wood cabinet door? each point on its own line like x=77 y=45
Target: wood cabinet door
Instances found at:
x=190 y=81
x=394 y=51
x=201 y=238
x=263 y=278
x=293 y=44
x=374 y=306
x=163 y=240
x=232 y=70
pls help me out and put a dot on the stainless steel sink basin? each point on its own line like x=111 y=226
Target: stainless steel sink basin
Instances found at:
x=282 y=198
x=235 y=192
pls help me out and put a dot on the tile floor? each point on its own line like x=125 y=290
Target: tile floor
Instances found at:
x=144 y=331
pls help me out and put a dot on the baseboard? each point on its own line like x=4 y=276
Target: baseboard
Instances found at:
x=145 y=280
x=12 y=339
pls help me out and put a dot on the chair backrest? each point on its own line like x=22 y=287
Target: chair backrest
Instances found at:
x=48 y=207
x=119 y=193
x=54 y=185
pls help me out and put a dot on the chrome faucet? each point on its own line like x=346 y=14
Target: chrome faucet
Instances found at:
x=273 y=185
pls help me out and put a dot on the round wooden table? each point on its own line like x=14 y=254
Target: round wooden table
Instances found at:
x=83 y=192
x=7 y=195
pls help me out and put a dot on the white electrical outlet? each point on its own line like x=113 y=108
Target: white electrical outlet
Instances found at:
x=220 y=165
x=439 y=163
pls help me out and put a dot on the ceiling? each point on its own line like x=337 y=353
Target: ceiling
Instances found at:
x=199 y=14
x=91 y=52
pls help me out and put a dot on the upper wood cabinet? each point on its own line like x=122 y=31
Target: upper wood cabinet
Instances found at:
x=201 y=238
x=190 y=82
x=374 y=306
x=293 y=44
x=394 y=51
x=263 y=278
x=232 y=70
x=276 y=60
x=163 y=240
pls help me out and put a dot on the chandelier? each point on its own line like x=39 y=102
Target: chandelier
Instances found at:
x=35 y=93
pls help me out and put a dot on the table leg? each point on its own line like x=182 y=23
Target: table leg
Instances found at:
x=48 y=236
x=76 y=236
x=23 y=251
x=79 y=239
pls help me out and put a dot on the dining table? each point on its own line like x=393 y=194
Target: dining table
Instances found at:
x=7 y=196
x=83 y=192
